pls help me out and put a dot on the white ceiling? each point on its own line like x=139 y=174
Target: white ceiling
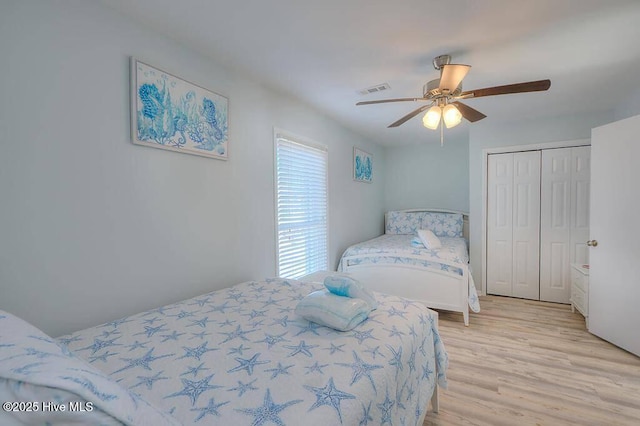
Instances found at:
x=324 y=52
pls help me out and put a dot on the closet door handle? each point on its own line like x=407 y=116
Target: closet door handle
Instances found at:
x=592 y=243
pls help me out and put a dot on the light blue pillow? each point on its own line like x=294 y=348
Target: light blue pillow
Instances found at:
x=337 y=312
x=34 y=367
x=342 y=285
x=417 y=242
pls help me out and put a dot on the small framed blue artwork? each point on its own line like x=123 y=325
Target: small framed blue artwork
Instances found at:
x=362 y=165
x=170 y=113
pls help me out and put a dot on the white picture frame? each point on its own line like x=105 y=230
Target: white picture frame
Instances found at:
x=170 y=113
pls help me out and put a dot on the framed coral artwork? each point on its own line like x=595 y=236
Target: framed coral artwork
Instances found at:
x=170 y=113
x=362 y=165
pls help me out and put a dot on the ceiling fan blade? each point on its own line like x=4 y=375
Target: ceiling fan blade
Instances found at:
x=411 y=115
x=469 y=113
x=531 y=86
x=382 y=101
x=452 y=76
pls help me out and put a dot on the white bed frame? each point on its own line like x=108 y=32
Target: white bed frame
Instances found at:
x=434 y=288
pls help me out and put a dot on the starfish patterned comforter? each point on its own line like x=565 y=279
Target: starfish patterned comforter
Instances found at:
x=241 y=356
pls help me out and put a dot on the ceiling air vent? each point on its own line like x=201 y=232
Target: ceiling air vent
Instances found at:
x=374 y=89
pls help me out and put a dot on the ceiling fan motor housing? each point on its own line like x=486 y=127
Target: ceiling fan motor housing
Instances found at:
x=431 y=90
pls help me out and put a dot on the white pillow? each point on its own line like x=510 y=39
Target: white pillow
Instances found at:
x=337 y=312
x=429 y=239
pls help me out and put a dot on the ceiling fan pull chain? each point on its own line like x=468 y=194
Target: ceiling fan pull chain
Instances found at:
x=441 y=132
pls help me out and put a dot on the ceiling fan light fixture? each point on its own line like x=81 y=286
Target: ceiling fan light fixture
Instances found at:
x=431 y=119
x=451 y=116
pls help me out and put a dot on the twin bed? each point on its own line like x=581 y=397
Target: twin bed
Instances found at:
x=237 y=356
x=241 y=356
x=439 y=278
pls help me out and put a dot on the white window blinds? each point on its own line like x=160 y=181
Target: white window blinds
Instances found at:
x=301 y=207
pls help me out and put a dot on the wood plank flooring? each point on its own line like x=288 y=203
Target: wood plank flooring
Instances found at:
x=523 y=362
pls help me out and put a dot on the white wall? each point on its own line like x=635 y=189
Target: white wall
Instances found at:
x=491 y=135
x=428 y=175
x=629 y=106
x=92 y=227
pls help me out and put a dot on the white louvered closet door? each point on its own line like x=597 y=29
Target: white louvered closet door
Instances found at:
x=513 y=224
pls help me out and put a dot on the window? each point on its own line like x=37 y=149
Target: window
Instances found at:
x=301 y=207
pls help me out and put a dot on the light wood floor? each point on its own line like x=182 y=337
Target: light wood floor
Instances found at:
x=533 y=363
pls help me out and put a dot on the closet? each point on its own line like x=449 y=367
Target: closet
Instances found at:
x=537 y=221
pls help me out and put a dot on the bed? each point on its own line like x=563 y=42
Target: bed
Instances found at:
x=237 y=356
x=439 y=278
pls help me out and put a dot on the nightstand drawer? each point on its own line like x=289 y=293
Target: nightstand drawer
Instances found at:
x=579 y=300
x=580 y=288
x=578 y=280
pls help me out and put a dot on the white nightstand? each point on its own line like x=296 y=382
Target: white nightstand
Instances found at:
x=580 y=289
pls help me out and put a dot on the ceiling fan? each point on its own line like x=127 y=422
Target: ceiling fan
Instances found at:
x=443 y=95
